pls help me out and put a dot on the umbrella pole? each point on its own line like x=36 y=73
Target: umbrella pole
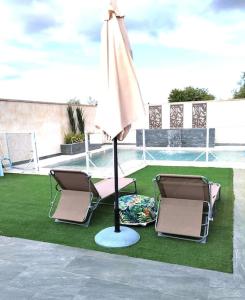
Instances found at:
x=114 y=236
x=116 y=204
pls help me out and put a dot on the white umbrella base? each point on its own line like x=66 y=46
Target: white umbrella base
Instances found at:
x=111 y=239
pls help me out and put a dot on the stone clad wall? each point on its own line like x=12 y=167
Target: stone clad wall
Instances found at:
x=48 y=120
x=176 y=137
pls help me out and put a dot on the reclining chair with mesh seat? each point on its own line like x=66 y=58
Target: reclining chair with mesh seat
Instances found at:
x=79 y=196
x=186 y=205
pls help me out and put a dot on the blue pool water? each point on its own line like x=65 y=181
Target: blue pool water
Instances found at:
x=105 y=158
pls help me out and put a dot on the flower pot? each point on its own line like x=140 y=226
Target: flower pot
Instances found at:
x=71 y=149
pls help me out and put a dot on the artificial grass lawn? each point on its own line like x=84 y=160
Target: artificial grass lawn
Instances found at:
x=24 y=207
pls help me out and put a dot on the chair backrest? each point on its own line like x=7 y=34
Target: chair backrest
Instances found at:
x=183 y=187
x=74 y=180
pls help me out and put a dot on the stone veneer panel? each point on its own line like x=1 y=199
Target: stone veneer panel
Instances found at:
x=182 y=137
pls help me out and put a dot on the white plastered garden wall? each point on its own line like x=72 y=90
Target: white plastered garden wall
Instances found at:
x=48 y=120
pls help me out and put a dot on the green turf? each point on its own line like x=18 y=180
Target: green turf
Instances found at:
x=24 y=209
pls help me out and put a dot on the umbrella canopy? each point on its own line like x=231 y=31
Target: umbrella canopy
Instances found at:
x=121 y=97
x=120 y=106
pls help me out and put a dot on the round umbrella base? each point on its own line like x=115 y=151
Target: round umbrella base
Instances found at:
x=111 y=239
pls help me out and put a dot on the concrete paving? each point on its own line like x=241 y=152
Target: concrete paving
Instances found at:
x=36 y=270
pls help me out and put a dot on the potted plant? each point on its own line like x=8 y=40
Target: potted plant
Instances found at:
x=73 y=140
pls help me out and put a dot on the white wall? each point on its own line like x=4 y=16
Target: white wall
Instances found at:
x=48 y=120
x=188 y=115
x=165 y=115
x=226 y=116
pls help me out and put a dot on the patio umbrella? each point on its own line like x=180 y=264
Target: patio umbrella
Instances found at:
x=121 y=103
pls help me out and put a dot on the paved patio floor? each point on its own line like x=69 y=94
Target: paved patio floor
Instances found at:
x=36 y=270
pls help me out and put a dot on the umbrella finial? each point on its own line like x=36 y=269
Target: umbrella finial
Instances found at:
x=113 y=9
x=113 y=5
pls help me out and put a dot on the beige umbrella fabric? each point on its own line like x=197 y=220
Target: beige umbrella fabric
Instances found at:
x=121 y=102
x=120 y=105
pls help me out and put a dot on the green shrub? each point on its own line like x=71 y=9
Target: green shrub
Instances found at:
x=80 y=120
x=71 y=138
x=240 y=93
x=189 y=94
x=71 y=119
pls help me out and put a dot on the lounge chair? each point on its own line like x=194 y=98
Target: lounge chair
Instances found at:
x=186 y=205
x=79 y=196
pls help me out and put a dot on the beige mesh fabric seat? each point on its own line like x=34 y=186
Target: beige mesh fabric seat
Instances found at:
x=186 y=205
x=79 y=196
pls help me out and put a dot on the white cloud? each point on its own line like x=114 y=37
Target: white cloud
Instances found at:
x=9 y=24
x=196 y=33
x=59 y=83
x=62 y=61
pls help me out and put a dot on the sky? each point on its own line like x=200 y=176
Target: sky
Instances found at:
x=50 y=49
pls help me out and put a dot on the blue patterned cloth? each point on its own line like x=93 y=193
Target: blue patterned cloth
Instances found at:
x=137 y=210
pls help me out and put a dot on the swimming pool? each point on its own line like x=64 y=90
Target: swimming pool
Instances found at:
x=104 y=159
